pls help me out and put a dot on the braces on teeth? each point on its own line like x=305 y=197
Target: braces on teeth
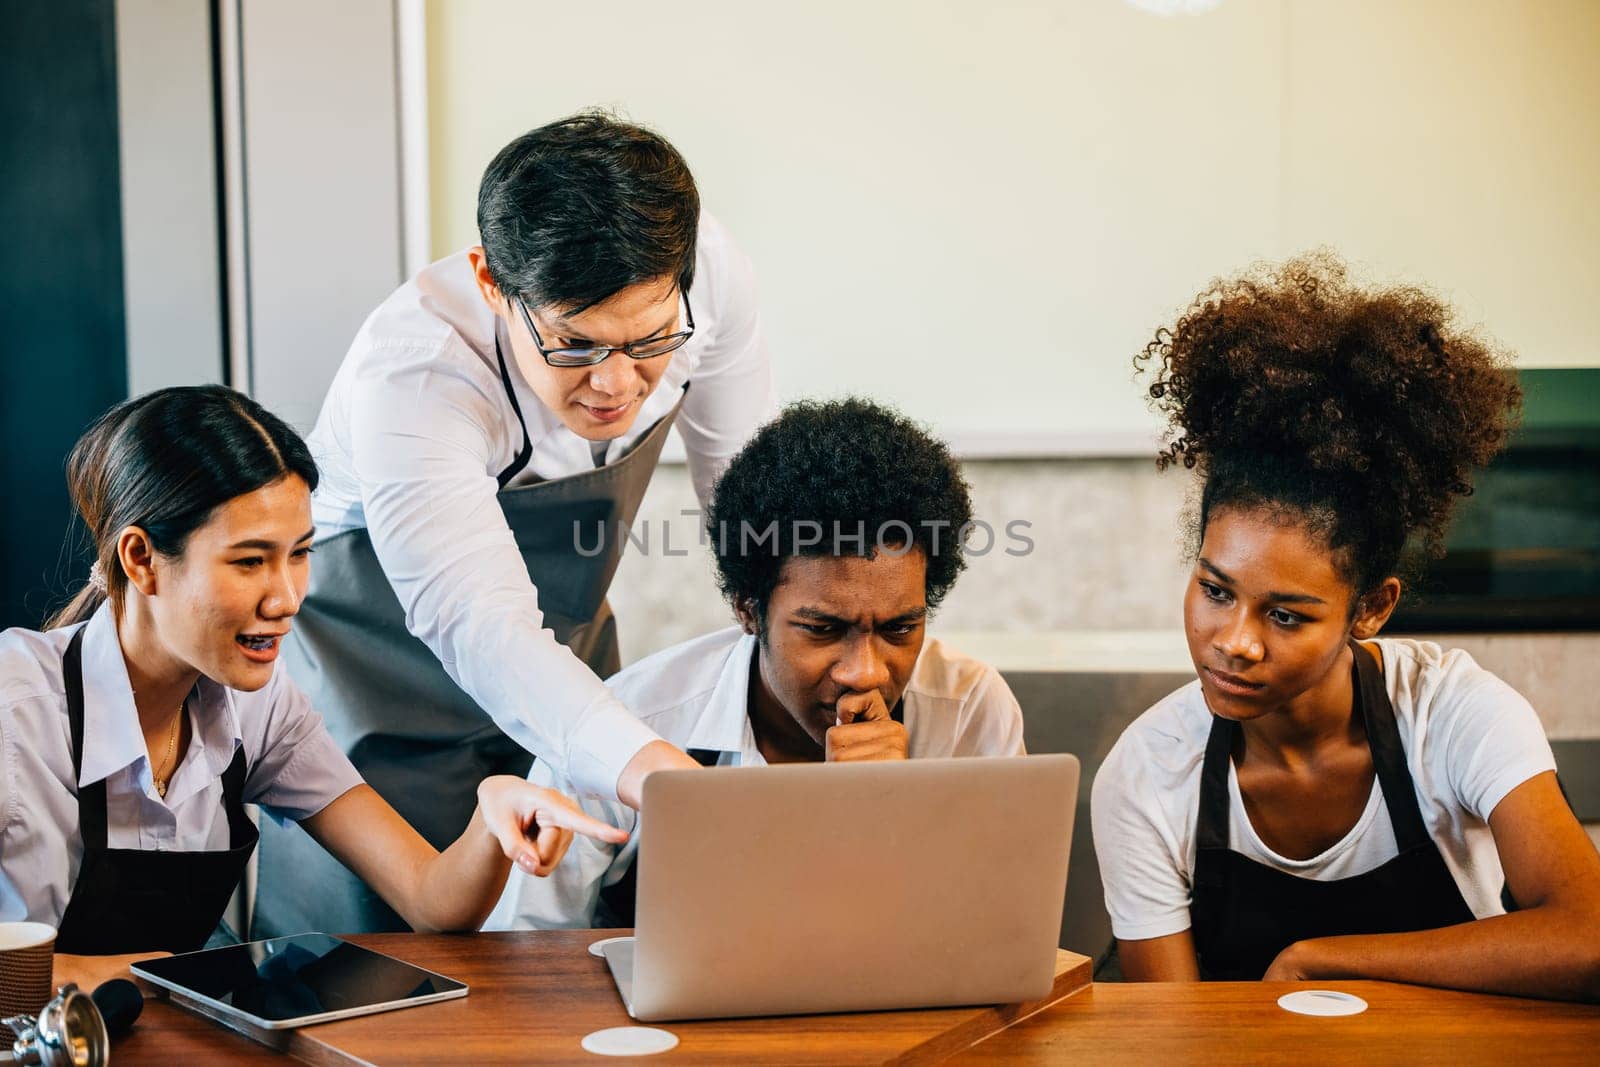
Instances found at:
x=258 y=643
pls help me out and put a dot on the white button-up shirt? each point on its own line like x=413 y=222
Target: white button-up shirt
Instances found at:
x=412 y=436
x=295 y=769
x=696 y=695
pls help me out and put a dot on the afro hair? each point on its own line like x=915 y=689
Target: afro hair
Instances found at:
x=841 y=477
x=1360 y=412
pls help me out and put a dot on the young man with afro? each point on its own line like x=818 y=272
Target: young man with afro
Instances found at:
x=836 y=533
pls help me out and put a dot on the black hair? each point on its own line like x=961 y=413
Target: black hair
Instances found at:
x=574 y=212
x=840 y=477
x=164 y=462
x=1361 y=413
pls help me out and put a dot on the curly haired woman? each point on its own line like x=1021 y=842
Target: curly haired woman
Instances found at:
x=1321 y=803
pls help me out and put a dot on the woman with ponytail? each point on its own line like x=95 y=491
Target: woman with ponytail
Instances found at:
x=1321 y=802
x=135 y=728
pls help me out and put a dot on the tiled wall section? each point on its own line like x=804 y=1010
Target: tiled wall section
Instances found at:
x=1106 y=555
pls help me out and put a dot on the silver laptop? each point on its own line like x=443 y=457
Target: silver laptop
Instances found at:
x=848 y=887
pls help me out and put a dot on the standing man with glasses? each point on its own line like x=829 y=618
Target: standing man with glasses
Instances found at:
x=501 y=401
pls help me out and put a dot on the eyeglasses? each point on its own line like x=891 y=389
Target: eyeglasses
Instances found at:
x=589 y=356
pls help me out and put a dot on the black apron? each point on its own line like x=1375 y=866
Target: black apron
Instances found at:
x=414 y=735
x=1244 y=913
x=133 y=900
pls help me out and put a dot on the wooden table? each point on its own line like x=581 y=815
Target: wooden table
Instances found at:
x=1240 y=1023
x=534 y=997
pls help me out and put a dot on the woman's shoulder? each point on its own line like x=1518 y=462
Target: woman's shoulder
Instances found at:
x=295 y=767
x=1428 y=682
x=1163 y=748
x=35 y=740
x=30 y=663
x=1469 y=736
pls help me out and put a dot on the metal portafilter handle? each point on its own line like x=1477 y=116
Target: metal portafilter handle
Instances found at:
x=68 y=1032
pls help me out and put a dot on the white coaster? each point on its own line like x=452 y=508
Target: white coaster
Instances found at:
x=1322 y=1002
x=598 y=948
x=629 y=1041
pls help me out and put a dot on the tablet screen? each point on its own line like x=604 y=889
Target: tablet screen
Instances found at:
x=299 y=977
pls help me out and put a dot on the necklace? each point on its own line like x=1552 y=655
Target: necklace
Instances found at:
x=172 y=743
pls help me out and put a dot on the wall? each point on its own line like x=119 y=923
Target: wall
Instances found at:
x=1107 y=554
x=171 y=251
x=979 y=211
x=320 y=187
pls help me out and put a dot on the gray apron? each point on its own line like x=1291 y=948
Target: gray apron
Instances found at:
x=414 y=735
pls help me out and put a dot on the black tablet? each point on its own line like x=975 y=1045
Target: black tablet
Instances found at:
x=294 y=981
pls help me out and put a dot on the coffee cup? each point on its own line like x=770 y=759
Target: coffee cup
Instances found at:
x=27 y=958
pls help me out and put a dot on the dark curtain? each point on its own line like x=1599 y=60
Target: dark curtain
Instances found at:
x=62 y=345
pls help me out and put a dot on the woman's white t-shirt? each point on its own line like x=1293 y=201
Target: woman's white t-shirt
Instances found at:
x=1469 y=740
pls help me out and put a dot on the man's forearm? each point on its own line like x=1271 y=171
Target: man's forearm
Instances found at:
x=656 y=756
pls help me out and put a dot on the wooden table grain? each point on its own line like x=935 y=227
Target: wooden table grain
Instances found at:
x=533 y=998
x=166 y=1035
x=1240 y=1023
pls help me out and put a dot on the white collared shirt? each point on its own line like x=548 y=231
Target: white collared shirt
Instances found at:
x=295 y=769
x=417 y=427
x=696 y=695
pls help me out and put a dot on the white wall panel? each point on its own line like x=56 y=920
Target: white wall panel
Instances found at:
x=321 y=188
x=172 y=272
